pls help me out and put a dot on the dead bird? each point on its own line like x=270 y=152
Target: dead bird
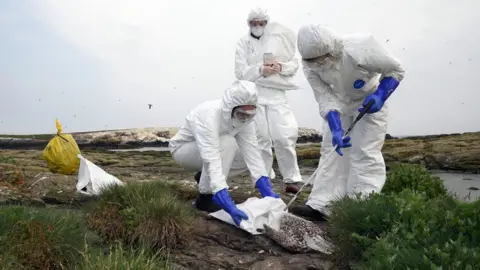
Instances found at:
x=298 y=235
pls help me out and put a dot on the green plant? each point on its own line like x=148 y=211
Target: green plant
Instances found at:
x=413 y=177
x=7 y=159
x=119 y=258
x=355 y=223
x=147 y=214
x=445 y=234
x=405 y=230
x=40 y=238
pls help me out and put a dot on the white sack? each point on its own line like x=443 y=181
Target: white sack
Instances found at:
x=259 y=211
x=93 y=178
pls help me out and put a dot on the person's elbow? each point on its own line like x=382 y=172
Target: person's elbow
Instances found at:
x=239 y=74
x=289 y=68
x=400 y=72
x=397 y=71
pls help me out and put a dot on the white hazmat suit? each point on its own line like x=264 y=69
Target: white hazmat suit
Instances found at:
x=275 y=120
x=352 y=70
x=213 y=142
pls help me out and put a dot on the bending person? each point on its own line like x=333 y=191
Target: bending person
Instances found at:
x=266 y=56
x=218 y=138
x=346 y=73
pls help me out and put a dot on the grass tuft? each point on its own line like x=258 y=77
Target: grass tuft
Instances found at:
x=141 y=214
x=119 y=258
x=41 y=238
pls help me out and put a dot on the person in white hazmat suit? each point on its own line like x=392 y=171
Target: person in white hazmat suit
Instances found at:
x=345 y=74
x=219 y=139
x=273 y=74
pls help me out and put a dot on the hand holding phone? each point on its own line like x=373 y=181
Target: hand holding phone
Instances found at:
x=267 y=58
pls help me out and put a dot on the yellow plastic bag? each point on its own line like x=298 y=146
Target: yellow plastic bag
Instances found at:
x=61 y=153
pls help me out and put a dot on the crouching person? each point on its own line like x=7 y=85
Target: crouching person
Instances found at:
x=218 y=138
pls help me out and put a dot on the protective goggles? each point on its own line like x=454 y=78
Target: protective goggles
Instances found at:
x=318 y=59
x=255 y=23
x=244 y=113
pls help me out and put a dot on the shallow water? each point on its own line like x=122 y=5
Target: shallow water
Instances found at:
x=460 y=183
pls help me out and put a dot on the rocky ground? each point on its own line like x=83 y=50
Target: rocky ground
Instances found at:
x=25 y=179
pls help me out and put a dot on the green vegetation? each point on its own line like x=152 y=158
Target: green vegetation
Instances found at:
x=120 y=259
x=148 y=214
x=128 y=227
x=41 y=238
x=414 y=177
x=7 y=160
x=413 y=224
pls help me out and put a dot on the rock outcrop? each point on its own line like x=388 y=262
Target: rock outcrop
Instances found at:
x=128 y=138
x=309 y=135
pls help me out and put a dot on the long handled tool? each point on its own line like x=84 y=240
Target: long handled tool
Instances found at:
x=330 y=154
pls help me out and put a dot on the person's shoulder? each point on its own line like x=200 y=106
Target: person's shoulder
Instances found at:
x=277 y=26
x=244 y=39
x=359 y=39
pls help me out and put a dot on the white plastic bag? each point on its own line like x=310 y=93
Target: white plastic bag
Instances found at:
x=91 y=178
x=259 y=211
x=281 y=42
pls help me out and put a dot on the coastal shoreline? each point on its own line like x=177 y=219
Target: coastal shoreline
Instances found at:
x=147 y=137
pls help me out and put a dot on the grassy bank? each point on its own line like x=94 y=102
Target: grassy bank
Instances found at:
x=413 y=224
x=459 y=152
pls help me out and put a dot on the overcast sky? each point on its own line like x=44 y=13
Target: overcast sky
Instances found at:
x=97 y=64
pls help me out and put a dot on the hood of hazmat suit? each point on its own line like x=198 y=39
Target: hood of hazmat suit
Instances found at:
x=258 y=14
x=212 y=119
x=343 y=70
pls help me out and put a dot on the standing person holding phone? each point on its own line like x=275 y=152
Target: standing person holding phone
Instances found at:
x=266 y=56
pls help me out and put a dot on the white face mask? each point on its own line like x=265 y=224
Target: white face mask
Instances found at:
x=237 y=123
x=257 y=30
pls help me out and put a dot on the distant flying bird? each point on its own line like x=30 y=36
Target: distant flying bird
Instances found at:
x=150 y=106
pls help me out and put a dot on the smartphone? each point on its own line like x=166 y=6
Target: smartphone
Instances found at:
x=267 y=57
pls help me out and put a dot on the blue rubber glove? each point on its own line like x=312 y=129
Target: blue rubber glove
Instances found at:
x=265 y=187
x=335 y=125
x=222 y=198
x=384 y=90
